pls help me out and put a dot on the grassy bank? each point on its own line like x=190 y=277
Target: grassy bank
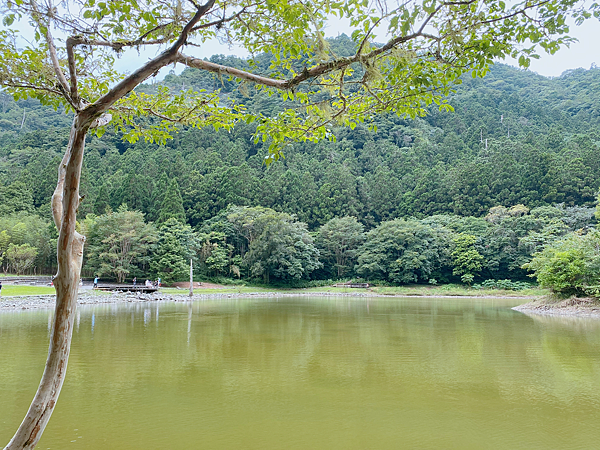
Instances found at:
x=400 y=291
x=457 y=290
x=223 y=290
x=407 y=291
x=9 y=290
x=17 y=290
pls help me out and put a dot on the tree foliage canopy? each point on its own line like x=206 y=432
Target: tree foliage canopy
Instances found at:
x=279 y=247
x=339 y=240
x=570 y=265
x=20 y=257
x=405 y=57
x=176 y=246
x=404 y=251
x=118 y=241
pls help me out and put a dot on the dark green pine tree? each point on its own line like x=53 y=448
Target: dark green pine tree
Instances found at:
x=176 y=246
x=133 y=192
x=172 y=204
x=158 y=194
x=102 y=200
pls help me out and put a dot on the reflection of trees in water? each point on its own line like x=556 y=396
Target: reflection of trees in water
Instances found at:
x=567 y=323
x=430 y=347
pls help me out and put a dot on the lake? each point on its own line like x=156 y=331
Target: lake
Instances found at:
x=311 y=373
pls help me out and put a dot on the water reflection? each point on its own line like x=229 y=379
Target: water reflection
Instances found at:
x=313 y=373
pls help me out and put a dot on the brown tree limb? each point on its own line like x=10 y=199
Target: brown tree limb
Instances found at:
x=56 y=63
x=72 y=70
x=32 y=87
x=115 y=45
x=220 y=22
x=338 y=64
x=56 y=204
x=62 y=80
x=218 y=68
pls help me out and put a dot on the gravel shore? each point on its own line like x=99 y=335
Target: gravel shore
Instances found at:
x=580 y=307
x=48 y=301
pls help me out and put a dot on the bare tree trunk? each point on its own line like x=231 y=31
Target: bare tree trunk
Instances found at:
x=65 y=202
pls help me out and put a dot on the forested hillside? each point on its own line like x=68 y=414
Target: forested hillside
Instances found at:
x=514 y=138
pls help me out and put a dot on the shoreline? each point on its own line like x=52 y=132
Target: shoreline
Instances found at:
x=35 y=302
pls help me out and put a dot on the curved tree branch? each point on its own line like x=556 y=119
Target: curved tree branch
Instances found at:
x=167 y=57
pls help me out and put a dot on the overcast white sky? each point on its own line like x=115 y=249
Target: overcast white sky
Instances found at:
x=581 y=54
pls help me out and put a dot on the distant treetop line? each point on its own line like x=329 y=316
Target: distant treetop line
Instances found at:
x=514 y=138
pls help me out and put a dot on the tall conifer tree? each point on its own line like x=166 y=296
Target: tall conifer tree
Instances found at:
x=172 y=204
x=157 y=197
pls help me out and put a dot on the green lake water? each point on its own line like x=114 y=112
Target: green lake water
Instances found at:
x=311 y=373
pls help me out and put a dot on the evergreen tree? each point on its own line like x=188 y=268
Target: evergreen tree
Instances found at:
x=172 y=204
x=102 y=200
x=177 y=244
x=158 y=194
x=15 y=197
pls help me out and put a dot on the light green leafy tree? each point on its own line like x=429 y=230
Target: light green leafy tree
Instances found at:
x=279 y=247
x=26 y=228
x=20 y=257
x=118 y=242
x=467 y=261
x=216 y=254
x=68 y=61
x=570 y=265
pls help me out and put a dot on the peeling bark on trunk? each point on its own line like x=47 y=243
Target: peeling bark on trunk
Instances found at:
x=65 y=202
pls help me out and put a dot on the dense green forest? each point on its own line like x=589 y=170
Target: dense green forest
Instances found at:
x=516 y=164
